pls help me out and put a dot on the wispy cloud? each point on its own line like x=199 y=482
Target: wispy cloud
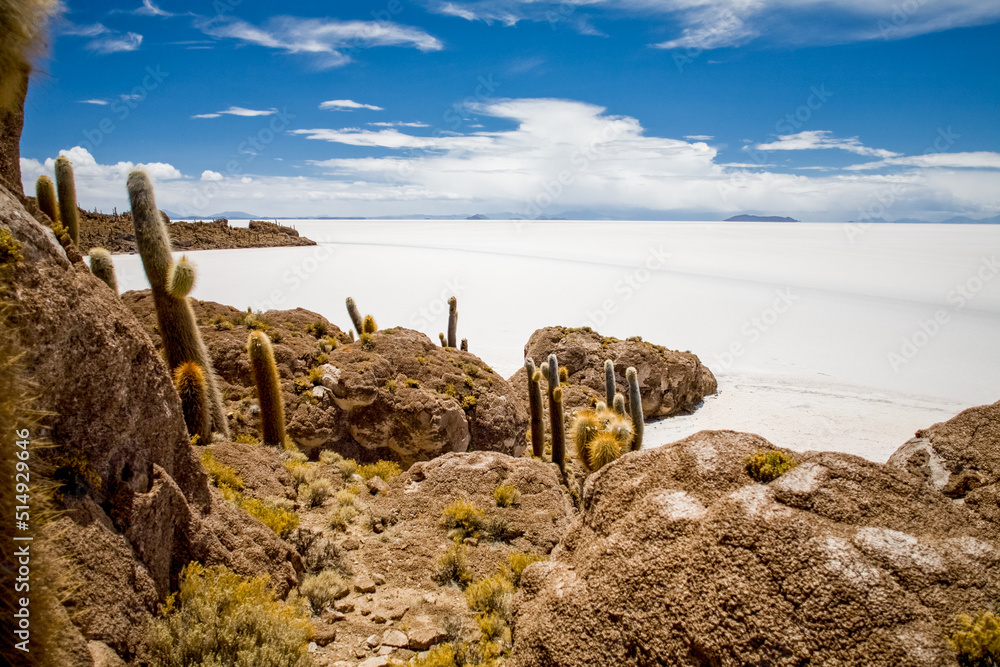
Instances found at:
x=150 y=9
x=95 y=101
x=823 y=139
x=699 y=137
x=972 y=160
x=105 y=40
x=328 y=40
x=397 y=123
x=238 y=111
x=347 y=105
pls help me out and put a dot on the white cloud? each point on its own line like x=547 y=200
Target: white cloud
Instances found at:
x=397 y=123
x=822 y=139
x=326 y=39
x=699 y=137
x=105 y=39
x=974 y=160
x=209 y=175
x=95 y=101
x=347 y=105
x=150 y=9
x=238 y=111
x=711 y=24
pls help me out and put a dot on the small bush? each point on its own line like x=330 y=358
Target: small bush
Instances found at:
x=977 y=642
x=222 y=324
x=342 y=516
x=453 y=566
x=221 y=475
x=468 y=402
x=411 y=383
x=506 y=495
x=766 y=466
x=279 y=519
x=516 y=562
x=323 y=588
x=318 y=328
x=463 y=517
x=421 y=360
x=495 y=529
x=315 y=492
x=315 y=375
x=491 y=595
x=253 y=322
x=449 y=390
x=390 y=386
x=367 y=341
x=276 y=336
x=442 y=655
x=347 y=467
x=303 y=385
x=247 y=439
x=300 y=471
x=494 y=627
x=10 y=248
x=328 y=457
x=384 y=469
x=222 y=619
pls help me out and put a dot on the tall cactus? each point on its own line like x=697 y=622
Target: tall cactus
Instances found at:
x=635 y=407
x=609 y=381
x=452 y=322
x=181 y=339
x=66 y=186
x=556 y=423
x=265 y=377
x=45 y=193
x=102 y=267
x=535 y=407
x=619 y=404
x=356 y=320
x=193 y=390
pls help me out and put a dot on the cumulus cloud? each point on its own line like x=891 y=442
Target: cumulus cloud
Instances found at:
x=973 y=160
x=823 y=139
x=328 y=41
x=209 y=175
x=347 y=105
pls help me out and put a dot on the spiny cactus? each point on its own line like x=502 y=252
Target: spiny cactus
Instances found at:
x=556 y=423
x=465 y=345
x=585 y=427
x=535 y=407
x=452 y=322
x=45 y=193
x=609 y=381
x=102 y=267
x=66 y=186
x=356 y=320
x=603 y=449
x=189 y=379
x=600 y=437
x=635 y=407
x=181 y=338
x=369 y=326
x=180 y=278
x=444 y=343
x=619 y=404
x=265 y=377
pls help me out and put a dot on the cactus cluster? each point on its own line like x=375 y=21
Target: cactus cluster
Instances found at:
x=66 y=186
x=181 y=338
x=265 y=377
x=601 y=436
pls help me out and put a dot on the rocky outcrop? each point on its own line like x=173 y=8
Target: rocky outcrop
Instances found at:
x=960 y=458
x=136 y=503
x=680 y=558
x=670 y=382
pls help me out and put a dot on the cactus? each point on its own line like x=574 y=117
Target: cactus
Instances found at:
x=265 y=377
x=452 y=322
x=68 y=214
x=102 y=267
x=444 y=343
x=352 y=310
x=369 y=326
x=609 y=381
x=465 y=345
x=556 y=423
x=181 y=339
x=600 y=437
x=563 y=374
x=619 y=404
x=603 y=449
x=190 y=382
x=180 y=278
x=535 y=407
x=585 y=427
x=635 y=407
x=45 y=193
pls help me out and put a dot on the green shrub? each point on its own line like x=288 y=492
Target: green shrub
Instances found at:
x=367 y=341
x=277 y=336
x=495 y=528
x=315 y=492
x=977 y=642
x=506 y=495
x=453 y=566
x=468 y=402
x=221 y=475
x=464 y=518
x=318 y=328
x=765 y=466
x=442 y=655
x=315 y=375
x=222 y=324
x=411 y=383
x=221 y=619
x=390 y=386
x=491 y=595
x=384 y=469
x=449 y=390
x=516 y=562
x=300 y=471
x=328 y=457
x=421 y=360
x=10 y=248
x=279 y=519
x=323 y=588
x=347 y=467
x=247 y=439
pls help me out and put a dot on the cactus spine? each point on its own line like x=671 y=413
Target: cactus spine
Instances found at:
x=619 y=404
x=535 y=406
x=70 y=218
x=190 y=382
x=556 y=415
x=356 y=320
x=635 y=407
x=265 y=377
x=452 y=322
x=181 y=339
x=45 y=193
x=102 y=267
x=609 y=382
x=180 y=278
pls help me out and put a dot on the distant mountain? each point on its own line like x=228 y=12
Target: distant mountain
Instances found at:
x=229 y=215
x=759 y=218
x=477 y=216
x=958 y=220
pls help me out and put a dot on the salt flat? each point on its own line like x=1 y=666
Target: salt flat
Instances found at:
x=823 y=336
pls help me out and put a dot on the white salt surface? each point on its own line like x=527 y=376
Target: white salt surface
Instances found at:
x=823 y=336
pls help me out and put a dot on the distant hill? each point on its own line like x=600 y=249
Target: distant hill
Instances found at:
x=477 y=216
x=759 y=218
x=228 y=215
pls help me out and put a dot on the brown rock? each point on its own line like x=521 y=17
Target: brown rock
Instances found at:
x=103 y=655
x=377 y=485
x=376 y=661
x=363 y=584
x=426 y=635
x=344 y=606
x=395 y=638
x=680 y=558
x=325 y=634
x=670 y=382
x=263 y=474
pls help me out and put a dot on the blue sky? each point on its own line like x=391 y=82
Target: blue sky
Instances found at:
x=671 y=109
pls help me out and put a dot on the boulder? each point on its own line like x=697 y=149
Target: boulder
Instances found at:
x=670 y=382
x=680 y=558
x=960 y=458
